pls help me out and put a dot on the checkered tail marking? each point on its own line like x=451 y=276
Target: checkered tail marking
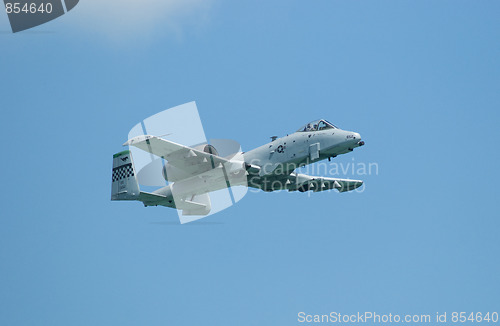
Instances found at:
x=123 y=172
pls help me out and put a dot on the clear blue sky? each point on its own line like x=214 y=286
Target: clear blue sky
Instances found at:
x=420 y=80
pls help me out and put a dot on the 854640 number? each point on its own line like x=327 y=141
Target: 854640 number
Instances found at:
x=476 y=317
x=28 y=8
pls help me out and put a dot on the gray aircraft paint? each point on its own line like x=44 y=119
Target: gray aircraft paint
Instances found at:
x=194 y=172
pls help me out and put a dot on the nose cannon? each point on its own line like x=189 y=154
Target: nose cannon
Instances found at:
x=358 y=136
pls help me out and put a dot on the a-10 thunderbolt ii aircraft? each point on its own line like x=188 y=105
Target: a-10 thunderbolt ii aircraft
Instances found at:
x=194 y=172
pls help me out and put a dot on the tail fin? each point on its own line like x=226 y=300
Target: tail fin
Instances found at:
x=124 y=185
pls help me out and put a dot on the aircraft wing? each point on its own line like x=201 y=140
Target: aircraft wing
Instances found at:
x=305 y=182
x=183 y=157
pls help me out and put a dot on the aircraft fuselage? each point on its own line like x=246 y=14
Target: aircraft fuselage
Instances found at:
x=284 y=154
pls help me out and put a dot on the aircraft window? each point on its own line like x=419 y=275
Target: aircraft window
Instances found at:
x=323 y=125
x=317 y=125
x=331 y=124
x=311 y=126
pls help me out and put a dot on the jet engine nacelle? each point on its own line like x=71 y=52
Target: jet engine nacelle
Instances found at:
x=207 y=148
x=210 y=149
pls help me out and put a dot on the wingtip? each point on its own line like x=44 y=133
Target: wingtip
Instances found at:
x=137 y=139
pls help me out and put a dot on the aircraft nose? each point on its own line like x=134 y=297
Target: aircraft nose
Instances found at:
x=357 y=137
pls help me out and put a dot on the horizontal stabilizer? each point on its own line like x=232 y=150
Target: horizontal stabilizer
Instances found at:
x=187 y=204
x=197 y=205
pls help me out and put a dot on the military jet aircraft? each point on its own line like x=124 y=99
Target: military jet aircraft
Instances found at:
x=194 y=172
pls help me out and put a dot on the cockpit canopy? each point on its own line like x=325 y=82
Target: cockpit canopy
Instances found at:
x=317 y=125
